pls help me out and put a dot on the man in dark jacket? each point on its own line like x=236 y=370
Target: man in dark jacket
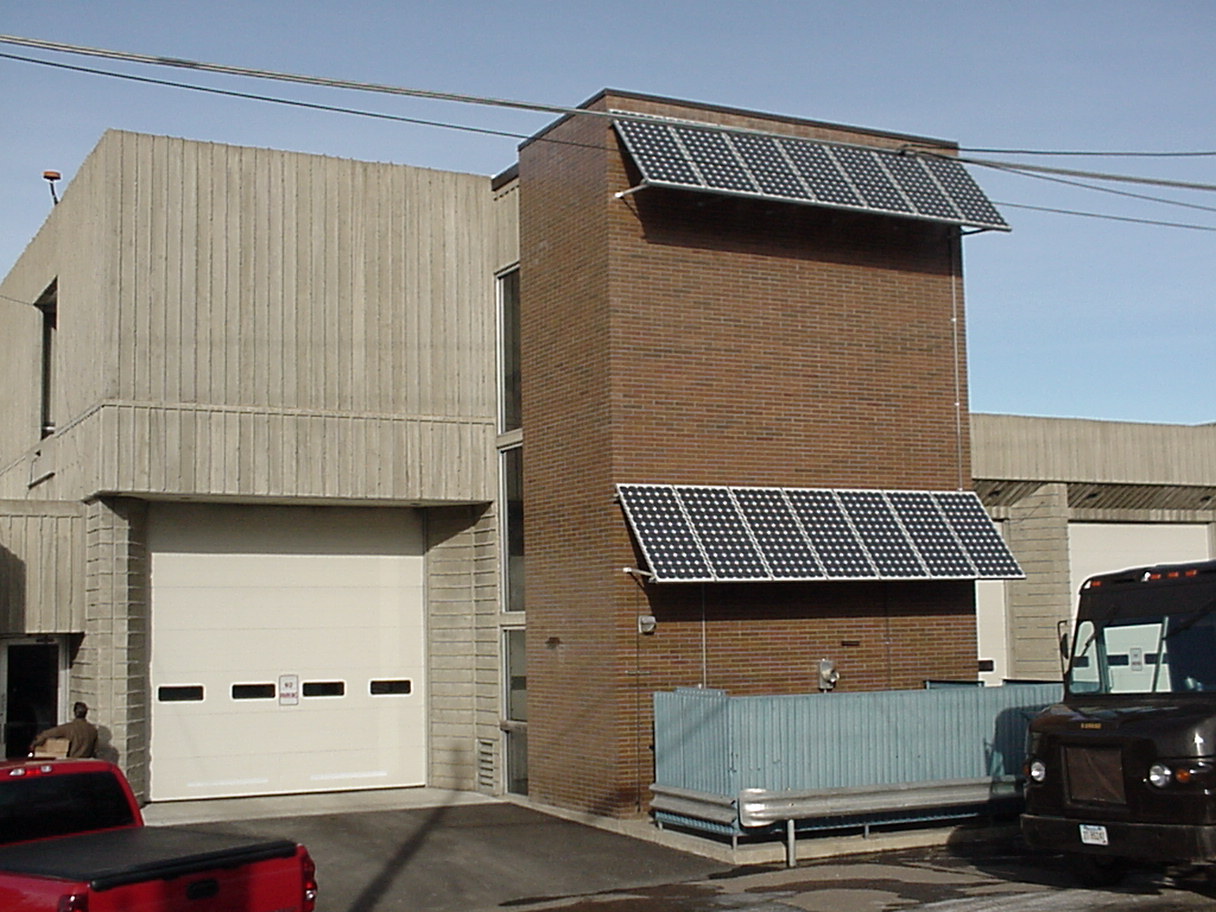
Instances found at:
x=81 y=734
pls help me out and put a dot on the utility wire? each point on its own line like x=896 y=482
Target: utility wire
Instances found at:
x=1010 y=167
x=298 y=78
x=1098 y=175
x=1091 y=152
x=267 y=98
x=444 y=96
x=1099 y=215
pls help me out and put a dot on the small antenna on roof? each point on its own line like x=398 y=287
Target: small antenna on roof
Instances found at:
x=50 y=177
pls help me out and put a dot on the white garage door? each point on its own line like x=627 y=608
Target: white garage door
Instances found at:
x=1104 y=547
x=288 y=650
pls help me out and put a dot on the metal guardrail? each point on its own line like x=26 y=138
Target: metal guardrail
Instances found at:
x=760 y=807
x=754 y=809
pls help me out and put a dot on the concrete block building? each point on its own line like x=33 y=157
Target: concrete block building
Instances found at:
x=314 y=474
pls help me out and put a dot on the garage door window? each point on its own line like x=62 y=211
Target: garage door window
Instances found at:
x=390 y=688
x=323 y=688
x=253 y=692
x=180 y=693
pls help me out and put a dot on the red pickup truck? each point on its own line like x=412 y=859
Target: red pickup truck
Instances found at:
x=72 y=839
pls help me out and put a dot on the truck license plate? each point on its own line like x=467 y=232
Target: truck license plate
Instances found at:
x=1092 y=834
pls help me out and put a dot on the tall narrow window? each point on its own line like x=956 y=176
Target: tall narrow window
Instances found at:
x=515 y=726
x=513 y=528
x=48 y=304
x=508 y=351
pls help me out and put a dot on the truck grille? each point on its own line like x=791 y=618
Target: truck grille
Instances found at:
x=1095 y=775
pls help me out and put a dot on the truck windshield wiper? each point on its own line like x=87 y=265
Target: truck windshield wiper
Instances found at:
x=1193 y=619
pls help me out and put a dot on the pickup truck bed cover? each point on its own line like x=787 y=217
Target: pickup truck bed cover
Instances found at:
x=115 y=857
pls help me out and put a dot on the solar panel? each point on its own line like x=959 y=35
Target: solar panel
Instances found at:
x=821 y=173
x=831 y=535
x=665 y=159
x=922 y=191
x=723 y=534
x=892 y=552
x=926 y=524
x=663 y=532
x=792 y=169
x=868 y=176
x=778 y=533
x=691 y=533
x=773 y=172
x=965 y=192
x=715 y=158
x=977 y=534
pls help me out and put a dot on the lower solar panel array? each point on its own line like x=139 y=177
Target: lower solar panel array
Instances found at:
x=694 y=533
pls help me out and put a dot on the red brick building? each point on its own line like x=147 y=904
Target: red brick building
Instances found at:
x=690 y=337
x=263 y=387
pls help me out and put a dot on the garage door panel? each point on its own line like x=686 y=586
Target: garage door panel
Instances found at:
x=321 y=613
x=1106 y=547
x=280 y=609
x=289 y=571
x=304 y=653
x=231 y=735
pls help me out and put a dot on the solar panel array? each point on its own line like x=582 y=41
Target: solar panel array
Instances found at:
x=798 y=170
x=695 y=534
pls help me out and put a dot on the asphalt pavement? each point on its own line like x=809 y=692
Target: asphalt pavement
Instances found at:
x=426 y=851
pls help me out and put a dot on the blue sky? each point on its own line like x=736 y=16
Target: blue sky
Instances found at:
x=1067 y=316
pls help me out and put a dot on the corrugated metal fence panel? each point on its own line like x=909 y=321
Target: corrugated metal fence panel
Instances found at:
x=707 y=741
x=693 y=741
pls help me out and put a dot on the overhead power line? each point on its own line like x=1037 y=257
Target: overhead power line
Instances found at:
x=253 y=96
x=1100 y=215
x=1089 y=152
x=1010 y=167
x=324 y=81
x=1097 y=175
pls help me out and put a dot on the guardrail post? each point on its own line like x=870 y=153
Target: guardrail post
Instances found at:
x=791 y=845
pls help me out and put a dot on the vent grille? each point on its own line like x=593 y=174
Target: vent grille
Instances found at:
x=1095 y=775
x=486 y=766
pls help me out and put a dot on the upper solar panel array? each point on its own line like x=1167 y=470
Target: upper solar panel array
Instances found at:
x=697 y=534
x=803 y=171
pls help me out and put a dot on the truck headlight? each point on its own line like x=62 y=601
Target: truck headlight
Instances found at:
x=1160 y=775
x=1037 y=770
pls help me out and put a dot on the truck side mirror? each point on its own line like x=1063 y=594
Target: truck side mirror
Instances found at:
x=1062 y=628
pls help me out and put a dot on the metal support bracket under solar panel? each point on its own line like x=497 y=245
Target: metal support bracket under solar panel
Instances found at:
x=712 y=159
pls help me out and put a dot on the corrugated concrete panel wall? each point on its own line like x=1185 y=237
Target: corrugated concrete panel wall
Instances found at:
x=1112 y=452
x=258 y=452
x=42 y=560
x=248 y=321
x=462 y=622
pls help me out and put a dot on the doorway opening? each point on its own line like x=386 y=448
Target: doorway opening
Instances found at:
x=31 y=704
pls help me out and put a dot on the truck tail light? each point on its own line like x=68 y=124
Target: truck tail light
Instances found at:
x=308 y=875
x=73 y=902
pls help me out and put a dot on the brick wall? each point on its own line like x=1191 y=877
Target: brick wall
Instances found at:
x=685 y=338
